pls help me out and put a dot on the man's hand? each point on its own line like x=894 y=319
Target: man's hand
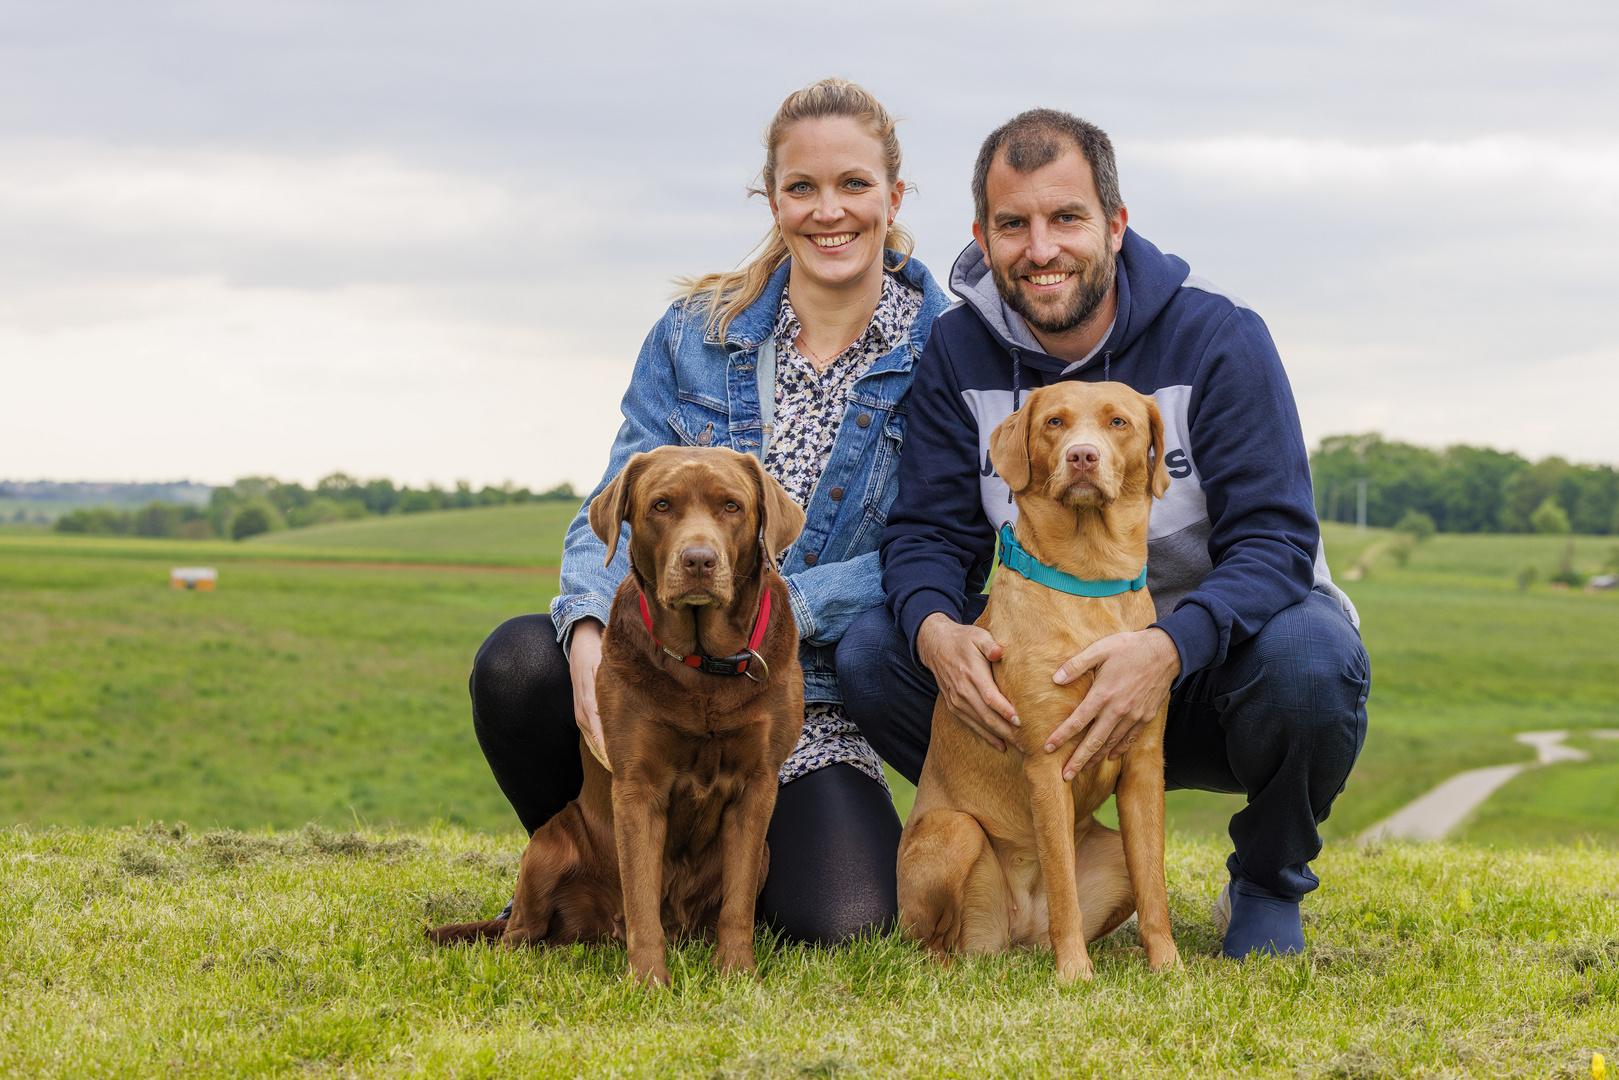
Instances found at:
x=1133 y=675
x=584 y=657
x=959 y=657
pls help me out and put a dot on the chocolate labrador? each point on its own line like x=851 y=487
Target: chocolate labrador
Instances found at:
x=702 y=700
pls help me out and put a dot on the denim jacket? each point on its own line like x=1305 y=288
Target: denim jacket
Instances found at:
x=691 y=389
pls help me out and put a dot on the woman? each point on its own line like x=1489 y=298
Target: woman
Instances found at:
x=833 y=288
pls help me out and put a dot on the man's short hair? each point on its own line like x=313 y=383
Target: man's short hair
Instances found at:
x=1037 y=138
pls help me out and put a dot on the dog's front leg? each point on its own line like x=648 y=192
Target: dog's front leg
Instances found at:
x=1140 y=798
x=1052 y=804
x=743 y=834
x=639 y=823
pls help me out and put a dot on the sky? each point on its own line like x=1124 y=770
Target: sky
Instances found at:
x=425 y=240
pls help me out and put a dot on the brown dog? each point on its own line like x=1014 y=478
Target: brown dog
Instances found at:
x=702 y=700
x=999 y=851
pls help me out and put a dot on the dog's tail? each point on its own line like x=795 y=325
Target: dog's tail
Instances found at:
x=467 y=932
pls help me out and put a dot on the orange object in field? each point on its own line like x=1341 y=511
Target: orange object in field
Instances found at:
x=200 y=578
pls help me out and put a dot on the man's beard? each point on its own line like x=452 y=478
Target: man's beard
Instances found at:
x=1095 y=282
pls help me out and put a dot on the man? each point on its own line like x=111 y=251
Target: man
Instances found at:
x=1258 y=649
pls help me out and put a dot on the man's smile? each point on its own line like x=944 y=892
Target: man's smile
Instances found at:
x=1047 y=280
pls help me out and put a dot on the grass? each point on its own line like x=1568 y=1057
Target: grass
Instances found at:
x=1462 y=660
x=298 y=690
x=157 y=951
x=326 y=678
x=508 y=535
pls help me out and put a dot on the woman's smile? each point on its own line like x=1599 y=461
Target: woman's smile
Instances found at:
x=834 y=240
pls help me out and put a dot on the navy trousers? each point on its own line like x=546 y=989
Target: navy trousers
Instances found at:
x=1281 y=721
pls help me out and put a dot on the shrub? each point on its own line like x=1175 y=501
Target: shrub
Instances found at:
x=1418 y=525
x=1528 y=573
x=254 y=518
x=1549 y=517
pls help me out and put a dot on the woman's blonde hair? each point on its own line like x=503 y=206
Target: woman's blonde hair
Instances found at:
x=728 y=293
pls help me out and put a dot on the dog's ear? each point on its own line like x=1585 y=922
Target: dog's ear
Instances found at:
x=609 y=510
x=780 y=519
x=1009 y=449
x=1160 y=468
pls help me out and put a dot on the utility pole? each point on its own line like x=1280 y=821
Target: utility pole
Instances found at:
x=1360 y=505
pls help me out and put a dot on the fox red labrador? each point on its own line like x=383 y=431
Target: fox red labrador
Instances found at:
x=999 y=850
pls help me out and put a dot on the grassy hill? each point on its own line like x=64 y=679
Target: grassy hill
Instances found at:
x=326 y=677
x=525 y=535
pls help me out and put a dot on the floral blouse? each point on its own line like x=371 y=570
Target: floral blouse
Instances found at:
x=809 y=408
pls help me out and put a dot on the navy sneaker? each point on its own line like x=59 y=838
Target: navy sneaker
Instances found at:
x=1254 y=921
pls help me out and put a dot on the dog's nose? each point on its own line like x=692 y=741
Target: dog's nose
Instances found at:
x=698 y=561
x=1083 y=457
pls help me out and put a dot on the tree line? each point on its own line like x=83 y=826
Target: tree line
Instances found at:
x=1457 y=489
x=260 y=504
x=1463 y=489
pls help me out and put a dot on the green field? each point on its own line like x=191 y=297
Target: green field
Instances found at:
x=525 y=535
x=140 y=952
x=326 y=679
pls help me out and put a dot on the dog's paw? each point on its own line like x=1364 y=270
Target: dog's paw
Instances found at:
x=1072 y=971
x=740 y=964
x=1167 y=959
x=651 y=975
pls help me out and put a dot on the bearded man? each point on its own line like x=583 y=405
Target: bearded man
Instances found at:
x=1257 y=648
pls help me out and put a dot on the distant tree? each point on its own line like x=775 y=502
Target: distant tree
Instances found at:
x=1549 y=517
x=1470 y=488
x=95 y=521
x=1528 y=489
x=1418 y=525
x=417 y=502
x=381 y=497
x=257 y=516
x=156 y=519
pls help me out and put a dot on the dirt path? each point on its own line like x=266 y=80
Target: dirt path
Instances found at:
x=1448 y=805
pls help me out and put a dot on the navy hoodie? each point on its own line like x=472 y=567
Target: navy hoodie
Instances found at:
x=1232 y=542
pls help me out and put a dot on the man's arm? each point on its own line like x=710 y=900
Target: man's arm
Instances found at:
x=1255 y=473
x=936 y=539
x=937 y=542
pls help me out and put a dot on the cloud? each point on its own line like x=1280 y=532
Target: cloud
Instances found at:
x=345 y=199
x=1584 y=170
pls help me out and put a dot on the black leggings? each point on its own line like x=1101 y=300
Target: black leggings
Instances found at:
x=834 y=838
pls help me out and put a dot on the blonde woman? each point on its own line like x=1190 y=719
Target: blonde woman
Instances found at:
x=835 y=296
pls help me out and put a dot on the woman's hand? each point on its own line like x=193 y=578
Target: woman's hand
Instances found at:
x=584 y=657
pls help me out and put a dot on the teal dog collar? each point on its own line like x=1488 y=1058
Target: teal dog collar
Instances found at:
x=1019 y=561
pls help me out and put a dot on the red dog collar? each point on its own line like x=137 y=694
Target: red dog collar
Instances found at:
x=724 y=665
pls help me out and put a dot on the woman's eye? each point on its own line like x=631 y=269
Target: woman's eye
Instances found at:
x=858 y=185
x=1118 y=421
x=731 y=507
x=799 y=188
x=661 y=506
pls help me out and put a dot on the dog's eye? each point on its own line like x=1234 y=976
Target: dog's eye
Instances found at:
x=1055 y=421
x=731 y=506
x=661 y=506
x=1118 y=421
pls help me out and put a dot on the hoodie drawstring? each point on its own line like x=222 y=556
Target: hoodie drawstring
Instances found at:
x=1017 y=362
x=1107 y=363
